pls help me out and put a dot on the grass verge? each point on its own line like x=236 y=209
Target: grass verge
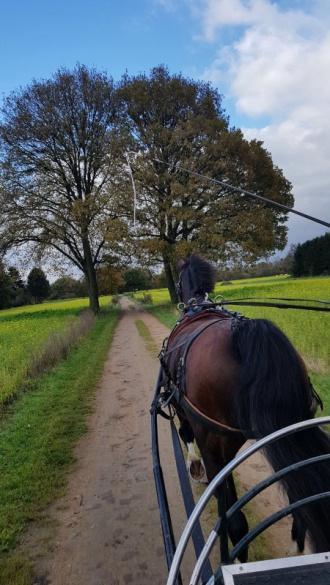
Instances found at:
x=167 y=314
x=147 y=337
x=37 y=437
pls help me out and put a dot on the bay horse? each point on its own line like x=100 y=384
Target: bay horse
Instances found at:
x=244 y=376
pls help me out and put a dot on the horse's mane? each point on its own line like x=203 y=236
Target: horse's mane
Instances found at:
x=203 y=275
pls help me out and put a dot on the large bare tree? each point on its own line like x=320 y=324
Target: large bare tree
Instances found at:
x=58 y=150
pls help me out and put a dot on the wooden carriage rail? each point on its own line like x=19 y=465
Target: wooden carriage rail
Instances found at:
x=224 y=473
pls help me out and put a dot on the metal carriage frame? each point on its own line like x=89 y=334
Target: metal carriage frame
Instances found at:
x=227 y=572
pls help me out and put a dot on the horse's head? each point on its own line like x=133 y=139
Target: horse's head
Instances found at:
x=196 y=278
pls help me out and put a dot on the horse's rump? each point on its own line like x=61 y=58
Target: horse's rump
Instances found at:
x=199 y=360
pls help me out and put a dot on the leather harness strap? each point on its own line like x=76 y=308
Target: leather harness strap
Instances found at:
x=177 y=389
x=214 y=425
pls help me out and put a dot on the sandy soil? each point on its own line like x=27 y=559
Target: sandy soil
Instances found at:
x=108 y=529
x=108 y=523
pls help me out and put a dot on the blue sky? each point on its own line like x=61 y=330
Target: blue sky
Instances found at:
x=110 y=35
x=270 y=60
x=113 y=36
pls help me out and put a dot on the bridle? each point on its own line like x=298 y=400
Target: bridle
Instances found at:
x=178 y=287
x=192 y=301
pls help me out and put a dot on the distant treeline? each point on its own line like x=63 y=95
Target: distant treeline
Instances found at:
x=309 y=259
x=14 y=291
x=312 y=257
x=272 y=268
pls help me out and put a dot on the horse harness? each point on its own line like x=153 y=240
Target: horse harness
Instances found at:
x=174 y=393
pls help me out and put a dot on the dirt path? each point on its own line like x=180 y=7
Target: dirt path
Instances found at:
x=108 y=523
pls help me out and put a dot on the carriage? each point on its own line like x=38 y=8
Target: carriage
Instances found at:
x=286 y=431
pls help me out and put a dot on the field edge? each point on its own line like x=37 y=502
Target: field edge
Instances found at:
x=38 y=437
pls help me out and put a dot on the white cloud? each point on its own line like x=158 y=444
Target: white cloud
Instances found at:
x=219 y=13
x=301 y=148
x=273 y=73
x=278 y=66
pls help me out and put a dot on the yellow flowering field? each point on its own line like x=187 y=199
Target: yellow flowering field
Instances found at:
x=23 y=330
x=309 y=331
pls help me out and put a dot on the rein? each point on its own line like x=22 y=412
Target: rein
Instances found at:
x=246 y=302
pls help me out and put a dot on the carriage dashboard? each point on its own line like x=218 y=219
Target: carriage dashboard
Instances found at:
x=302 y=570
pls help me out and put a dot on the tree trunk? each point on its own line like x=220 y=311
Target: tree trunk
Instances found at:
x=90 y=274
x=170 y=279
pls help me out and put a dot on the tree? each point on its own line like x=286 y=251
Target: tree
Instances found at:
x=109 y=278
x=15 y=278
x=38 y=285
x=58 y=141
x=312 y=257
x=136 y=279
x=12 y=289
x=19 y=294
x=68 y=287
x=177 y=123
x=5 y=287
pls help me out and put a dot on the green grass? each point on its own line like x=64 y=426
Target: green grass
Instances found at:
x=277 y=286
x=268 y=286
x=37 y=438
x=23 y=331
x=149 y=341
x=74 y=305
x=310 y=332
x=16 y=569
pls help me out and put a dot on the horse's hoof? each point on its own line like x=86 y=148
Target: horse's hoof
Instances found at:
x=196 y=471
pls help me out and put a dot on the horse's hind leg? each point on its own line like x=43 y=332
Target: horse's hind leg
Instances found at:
x=238 y=526
x=195 y=463
x=213 y=451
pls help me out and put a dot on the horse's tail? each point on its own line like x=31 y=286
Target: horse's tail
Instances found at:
x=274 y=391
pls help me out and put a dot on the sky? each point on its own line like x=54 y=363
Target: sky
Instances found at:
x=270 y=61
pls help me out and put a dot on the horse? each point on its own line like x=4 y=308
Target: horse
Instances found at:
x=242 y=378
